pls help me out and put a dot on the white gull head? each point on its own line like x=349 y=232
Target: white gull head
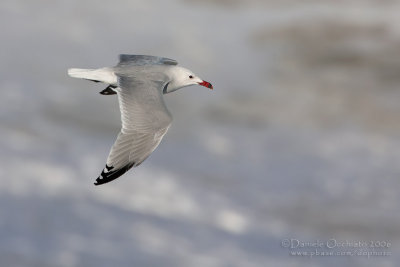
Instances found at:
x=181 y=77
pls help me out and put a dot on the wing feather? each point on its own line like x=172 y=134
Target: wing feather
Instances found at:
x=140 y=60
x=145 y=120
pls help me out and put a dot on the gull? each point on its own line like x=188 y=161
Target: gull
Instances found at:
x=139 y=82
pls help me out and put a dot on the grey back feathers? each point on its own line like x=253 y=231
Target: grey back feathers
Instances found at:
x=140 y=60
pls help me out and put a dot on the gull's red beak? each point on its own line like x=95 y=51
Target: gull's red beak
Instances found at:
x=206 y=84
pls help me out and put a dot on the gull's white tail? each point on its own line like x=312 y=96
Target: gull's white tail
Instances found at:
x=104 y=75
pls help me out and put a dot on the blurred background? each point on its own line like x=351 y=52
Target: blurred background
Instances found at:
x=300 y=138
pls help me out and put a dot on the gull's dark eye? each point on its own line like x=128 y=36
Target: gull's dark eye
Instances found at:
x=191 y=76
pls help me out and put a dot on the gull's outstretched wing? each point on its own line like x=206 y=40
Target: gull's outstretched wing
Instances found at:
x=145 y=120
x=140 y=60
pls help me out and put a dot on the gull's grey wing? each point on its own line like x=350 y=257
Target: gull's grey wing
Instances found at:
x=145 y=120
x=140 y=60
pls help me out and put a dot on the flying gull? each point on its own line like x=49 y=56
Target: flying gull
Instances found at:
x=140 y=82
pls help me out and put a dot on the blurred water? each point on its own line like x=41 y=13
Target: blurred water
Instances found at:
x=299 y=140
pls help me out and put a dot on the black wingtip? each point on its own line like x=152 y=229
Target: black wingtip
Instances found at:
x=98 y=182
x=108 y=175
x=109 y=90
